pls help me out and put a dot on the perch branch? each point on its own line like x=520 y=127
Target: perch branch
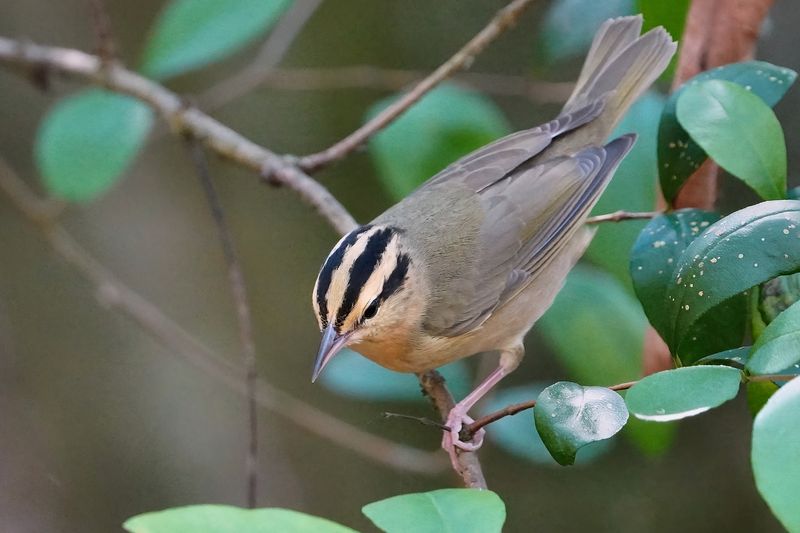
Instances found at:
x=504 y=19
x=433 y=386
x=239 y=292
x=32 y=59
x=619 y=216
x=112 y=293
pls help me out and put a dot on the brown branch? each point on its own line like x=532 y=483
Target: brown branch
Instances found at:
x=717 y=32
x=101 y=21
x=114 y=294
x=32 y=58
x=504 y=19
x=772 y=377
x=433 y=386
x=239 y=292
x=619 y=216
x=268 y=57
x=513 y=409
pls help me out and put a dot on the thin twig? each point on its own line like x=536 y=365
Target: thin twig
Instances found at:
x=433 y=386
x=772 y=377
x=114 y=294
x=387 y=79
x=182 y=119
x=504 y=19
x=239 y=292
x=425 y=421
x=272 y=52
x=619 y=216
x=513 y=409
x=101 y=21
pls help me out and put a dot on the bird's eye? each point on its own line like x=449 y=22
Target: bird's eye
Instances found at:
x=371 y=310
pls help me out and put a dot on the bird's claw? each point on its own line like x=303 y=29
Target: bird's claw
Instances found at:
x=451 y=440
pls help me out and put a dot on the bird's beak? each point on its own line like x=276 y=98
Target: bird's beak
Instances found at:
x=330 y=345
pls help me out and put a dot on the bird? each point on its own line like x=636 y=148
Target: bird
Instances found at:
x=470 y=260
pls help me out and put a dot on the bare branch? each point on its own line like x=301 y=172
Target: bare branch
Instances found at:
x=504 y=19
x=619 y=216
x=106 y=48
x=269 y=56
x=182 y=119
x=433 y=386
x=112 y=293
x=239 y=292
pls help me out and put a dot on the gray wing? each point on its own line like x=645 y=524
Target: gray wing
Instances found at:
x=528 y=218
x=493 y=162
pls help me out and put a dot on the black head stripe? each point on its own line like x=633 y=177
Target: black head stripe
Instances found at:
x=396 y=279
x=362 y=269
x=333 y=262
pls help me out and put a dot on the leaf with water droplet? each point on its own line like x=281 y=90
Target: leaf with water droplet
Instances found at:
x=517 y=436
x=682 y=392
x=678 y=155
x=569 y=416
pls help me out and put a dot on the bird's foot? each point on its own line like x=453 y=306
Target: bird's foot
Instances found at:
x=451 y=441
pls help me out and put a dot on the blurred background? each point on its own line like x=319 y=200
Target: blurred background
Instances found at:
x=99 y=421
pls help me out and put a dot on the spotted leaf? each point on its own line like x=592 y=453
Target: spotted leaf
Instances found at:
x=678 y=155
x=732 y=255
x=653 y=260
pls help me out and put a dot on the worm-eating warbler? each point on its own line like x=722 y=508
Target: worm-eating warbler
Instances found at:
x=471 y=259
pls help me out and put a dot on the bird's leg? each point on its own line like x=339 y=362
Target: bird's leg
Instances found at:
x=509 y=360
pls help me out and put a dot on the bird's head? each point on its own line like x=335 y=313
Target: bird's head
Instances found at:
x=363 y=291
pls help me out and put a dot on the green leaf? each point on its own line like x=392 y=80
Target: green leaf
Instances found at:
x=670 y=15
x=778 y=347
x=569 y=416
x=228 y=519
x=595 y=328
x=682 y=392
x=351 y=374
x=743 y=249
x=774 y=453
x=446 y=510
x=654 y=258
x=758 y=393
x=87 y=140
x=632 y=189
x=569 y=25
x=738 y=131
x=518 y=436
x=190 y=34
x=678 y=154
x=445 y=125
x=735 y=357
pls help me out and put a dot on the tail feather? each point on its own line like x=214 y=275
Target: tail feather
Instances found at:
x=620 y=66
